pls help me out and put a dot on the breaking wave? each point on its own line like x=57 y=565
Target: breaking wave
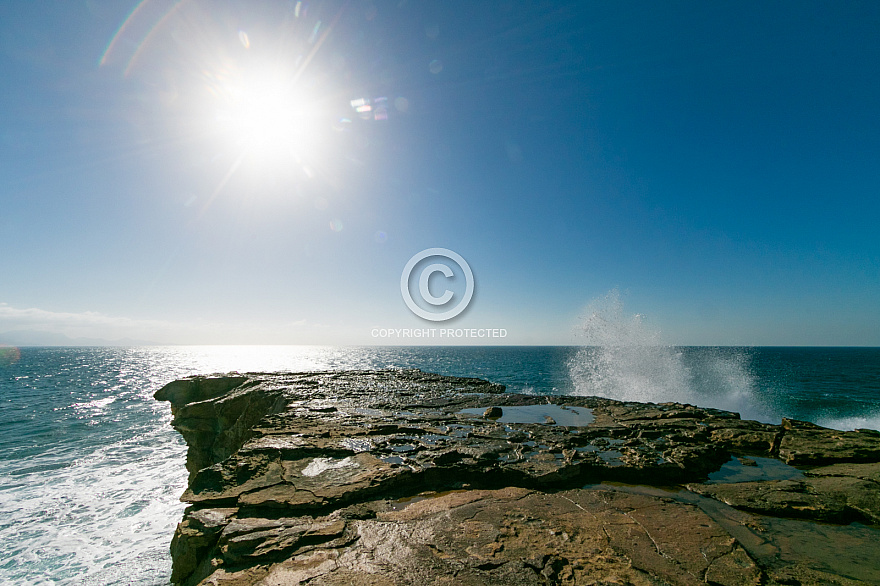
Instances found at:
x=624 y=358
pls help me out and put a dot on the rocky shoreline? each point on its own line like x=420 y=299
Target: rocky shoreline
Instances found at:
x=397 y=477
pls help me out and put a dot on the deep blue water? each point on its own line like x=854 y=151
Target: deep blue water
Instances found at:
x=90 y=469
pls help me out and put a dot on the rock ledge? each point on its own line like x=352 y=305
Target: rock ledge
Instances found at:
x=404 y=477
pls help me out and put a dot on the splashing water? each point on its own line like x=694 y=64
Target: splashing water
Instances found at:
x=625 y=359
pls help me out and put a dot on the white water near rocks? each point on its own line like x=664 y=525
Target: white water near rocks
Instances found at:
x=624 y=358
x=91 y=470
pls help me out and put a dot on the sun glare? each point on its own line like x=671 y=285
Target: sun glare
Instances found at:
x=266 y=117
x=259 y=106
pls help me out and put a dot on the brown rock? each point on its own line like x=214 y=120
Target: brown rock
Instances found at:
x=392 y=477
x=493 y=413
x=807 y=444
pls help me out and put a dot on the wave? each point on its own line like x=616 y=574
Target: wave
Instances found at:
x=624 y=358
x=871 y=421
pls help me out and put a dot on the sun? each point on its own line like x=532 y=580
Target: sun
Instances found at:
x=258 y=112
x=264 y=115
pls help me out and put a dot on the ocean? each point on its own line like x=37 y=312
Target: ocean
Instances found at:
x=91 y=471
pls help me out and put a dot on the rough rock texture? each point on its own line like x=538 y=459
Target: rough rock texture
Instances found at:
x=404 y=477
x=840 y=493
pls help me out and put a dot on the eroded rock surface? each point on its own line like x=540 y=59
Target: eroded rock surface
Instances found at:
x=405 y=477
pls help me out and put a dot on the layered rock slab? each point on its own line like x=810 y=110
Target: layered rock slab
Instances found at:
x=519 y=536
x=296 y=477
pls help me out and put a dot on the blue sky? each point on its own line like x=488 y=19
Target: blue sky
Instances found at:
x=199 y=172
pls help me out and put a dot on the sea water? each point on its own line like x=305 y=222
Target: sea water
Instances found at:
x=624 y=358
x=91 y=471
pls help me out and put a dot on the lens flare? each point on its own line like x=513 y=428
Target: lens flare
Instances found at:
x=380 y=109
x=371 y=108
x=153 y=19
x=120 y=32
x=251 y=94
x=315 y=32
x=9 y=355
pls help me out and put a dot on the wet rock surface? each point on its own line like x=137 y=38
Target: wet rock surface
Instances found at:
x=405 y=477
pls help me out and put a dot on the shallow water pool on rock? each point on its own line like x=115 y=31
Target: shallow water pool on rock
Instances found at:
x=753 y=469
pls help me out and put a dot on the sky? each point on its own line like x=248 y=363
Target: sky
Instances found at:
x=231 y=172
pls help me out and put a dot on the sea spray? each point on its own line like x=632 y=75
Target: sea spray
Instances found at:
x=624 y=358
x=723 y=377
x=91 y=470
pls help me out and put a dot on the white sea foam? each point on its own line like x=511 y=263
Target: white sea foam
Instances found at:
x=624 y=358
x=91 y=518
x=91 y=470
x=871 y=421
